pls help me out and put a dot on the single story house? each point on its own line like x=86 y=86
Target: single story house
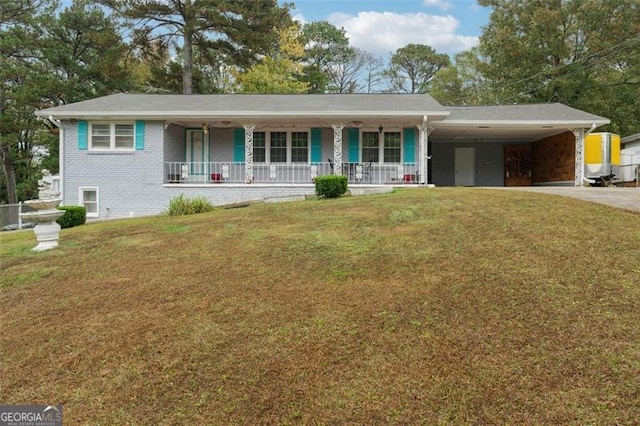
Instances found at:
x=129 y=154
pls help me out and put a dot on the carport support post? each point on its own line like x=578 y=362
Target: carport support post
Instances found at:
x=248 y=152
x=337 y=148
x=579 y=134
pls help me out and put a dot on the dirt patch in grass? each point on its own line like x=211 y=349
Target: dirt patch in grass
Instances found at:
x=422 y=306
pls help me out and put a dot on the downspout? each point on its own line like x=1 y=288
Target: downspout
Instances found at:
x=591 y=129
x=423 y=150
x=58 y=124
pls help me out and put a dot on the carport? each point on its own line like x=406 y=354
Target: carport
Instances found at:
x=510 y=145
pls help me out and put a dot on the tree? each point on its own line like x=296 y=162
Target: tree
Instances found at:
x=412 y=67
x=22 y=78
x=84 y=53
x=325 y=45
x=278 y=73
x=583 y=53
x=461 y=83
x=372 y=72
x=238 y=30
x=49 y=59
x=346 y=74
x=156 y=70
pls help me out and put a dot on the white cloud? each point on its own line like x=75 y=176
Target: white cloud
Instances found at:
x=440 y=4
x=298 y=16
x=385 y=32
x=474 y=6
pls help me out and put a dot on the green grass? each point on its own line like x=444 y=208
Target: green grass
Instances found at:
x=438 y=306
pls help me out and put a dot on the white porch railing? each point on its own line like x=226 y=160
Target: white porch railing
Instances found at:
x=295 y=173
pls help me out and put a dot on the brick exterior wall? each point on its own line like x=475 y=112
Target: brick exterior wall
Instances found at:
x=128 y=183
x=221 y=144
x=554 y=159
x=131 y=184
x=174 y=143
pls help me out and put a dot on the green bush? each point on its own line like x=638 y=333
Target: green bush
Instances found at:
x=181 y=205
x=73 y=216
x=331 y=186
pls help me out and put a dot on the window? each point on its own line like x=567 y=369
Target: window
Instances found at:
x=299 y=147
x=281 y=147
x=100 y=136
x=89 y=199
x=111 y=136
x=124 y=136
x=392 y=141
x=278 y=151
x=370 y=147
x=259 y=147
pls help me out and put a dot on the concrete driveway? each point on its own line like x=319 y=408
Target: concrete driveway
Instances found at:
x=623 y=198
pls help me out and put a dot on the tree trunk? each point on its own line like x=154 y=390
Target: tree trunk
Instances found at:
x=8 y=169
x=187 y=64
x=9 y=173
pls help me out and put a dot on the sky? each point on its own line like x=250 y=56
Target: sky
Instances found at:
x=383 y=26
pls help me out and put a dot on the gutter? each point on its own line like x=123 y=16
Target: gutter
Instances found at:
x=58 y=124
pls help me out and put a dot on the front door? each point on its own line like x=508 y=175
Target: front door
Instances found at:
x=197 y=151
x=465 y=167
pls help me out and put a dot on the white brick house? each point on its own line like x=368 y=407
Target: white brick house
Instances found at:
x=128 y=155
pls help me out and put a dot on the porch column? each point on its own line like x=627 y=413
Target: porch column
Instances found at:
x=248 y=152
x=423 y=151
x=579 y=176
x=337 y=148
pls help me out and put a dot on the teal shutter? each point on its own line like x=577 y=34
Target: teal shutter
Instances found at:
x=238 y=145
x=139 y=142
x=83 y=135
x=353 y=140
x=316 y=145
x=409 y=145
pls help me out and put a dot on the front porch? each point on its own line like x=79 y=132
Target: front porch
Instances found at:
x=215 y=173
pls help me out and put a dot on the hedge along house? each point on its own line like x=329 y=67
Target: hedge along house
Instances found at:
x=128 y=155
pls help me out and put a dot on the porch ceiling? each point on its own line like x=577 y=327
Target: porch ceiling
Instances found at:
x=493 y=134
x=305 y=123
x=486 y=132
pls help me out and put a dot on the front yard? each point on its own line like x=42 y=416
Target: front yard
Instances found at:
x=418 y=307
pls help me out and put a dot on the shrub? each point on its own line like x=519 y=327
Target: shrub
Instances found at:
x=73 y=216
x=181 y=205
x=331 y=186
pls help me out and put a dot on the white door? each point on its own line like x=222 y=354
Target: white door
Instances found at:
x=465 y=167
x=197 y=151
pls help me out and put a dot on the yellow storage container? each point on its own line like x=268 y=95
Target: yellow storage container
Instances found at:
x=602 y=156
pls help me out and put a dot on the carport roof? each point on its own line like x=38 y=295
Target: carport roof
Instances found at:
x=511 y=123
x=522 y=113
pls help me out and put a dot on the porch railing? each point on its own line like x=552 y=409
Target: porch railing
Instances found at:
x=295 y=173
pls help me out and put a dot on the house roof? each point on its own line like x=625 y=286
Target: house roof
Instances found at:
x=516 y=123
x=250 y=106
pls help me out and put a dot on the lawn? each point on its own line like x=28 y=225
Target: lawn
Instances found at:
x=435 y=306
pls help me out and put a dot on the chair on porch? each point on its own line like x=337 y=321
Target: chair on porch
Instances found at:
x=331 y=165
x=366 y=171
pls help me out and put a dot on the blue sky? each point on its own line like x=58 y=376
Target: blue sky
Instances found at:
x=382 y=26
